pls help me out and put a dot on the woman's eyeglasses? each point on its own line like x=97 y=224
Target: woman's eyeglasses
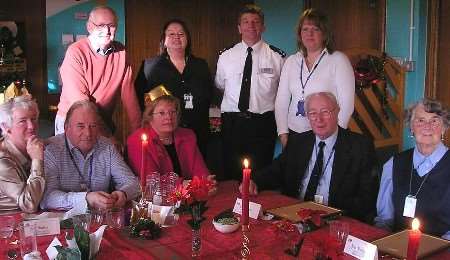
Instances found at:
x=433 y=122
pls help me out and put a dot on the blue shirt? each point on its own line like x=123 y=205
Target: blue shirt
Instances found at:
x=328 y=157
x=385 y=206
x=101 y=168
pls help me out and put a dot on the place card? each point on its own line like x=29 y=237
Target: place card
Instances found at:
x=360 y=249
x=254 y=209
x=44 y=227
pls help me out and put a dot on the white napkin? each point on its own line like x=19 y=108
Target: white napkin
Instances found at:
x=94 y=244
x=43 y=215
x=51 y=250
x=95 y=240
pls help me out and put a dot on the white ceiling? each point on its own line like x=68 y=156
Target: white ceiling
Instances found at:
x=55 y=6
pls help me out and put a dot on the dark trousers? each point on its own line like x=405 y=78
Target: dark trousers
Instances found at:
x=247 y=135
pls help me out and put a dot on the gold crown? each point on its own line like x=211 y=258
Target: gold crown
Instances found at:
x=156 y=93
x=11 y=92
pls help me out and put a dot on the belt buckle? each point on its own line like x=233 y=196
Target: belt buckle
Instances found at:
x=246 y=115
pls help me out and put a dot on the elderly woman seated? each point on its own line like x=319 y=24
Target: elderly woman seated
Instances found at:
x=416 y=182
x=22 y=180
x=169 y=148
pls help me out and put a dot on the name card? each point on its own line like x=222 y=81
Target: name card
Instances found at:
x=43 y=227
x=360 y=249
x=254 y=209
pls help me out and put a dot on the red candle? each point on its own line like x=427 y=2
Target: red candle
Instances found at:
x=246 y=171
x=144 y=140
x=413 y=240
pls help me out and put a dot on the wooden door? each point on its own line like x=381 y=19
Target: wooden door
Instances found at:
x=438 y=63
x=355 y=23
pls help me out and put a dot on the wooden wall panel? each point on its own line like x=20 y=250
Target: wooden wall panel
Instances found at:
x=355 y=23
x=32 y=13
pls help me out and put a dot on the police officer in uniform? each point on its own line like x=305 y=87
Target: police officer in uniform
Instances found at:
x=248 y=74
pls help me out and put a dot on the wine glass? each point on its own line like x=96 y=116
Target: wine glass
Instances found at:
x=7 y=224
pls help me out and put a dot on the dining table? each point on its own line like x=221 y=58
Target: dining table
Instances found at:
x=264 y=240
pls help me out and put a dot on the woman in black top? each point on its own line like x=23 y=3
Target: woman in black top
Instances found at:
x=184 y=75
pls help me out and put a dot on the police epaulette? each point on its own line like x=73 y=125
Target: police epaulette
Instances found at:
x=277 y=50
x=226 y=48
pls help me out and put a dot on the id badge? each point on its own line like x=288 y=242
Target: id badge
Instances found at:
x=318 y=198
x=301 y=108
x=188 y=101
x=410 y=206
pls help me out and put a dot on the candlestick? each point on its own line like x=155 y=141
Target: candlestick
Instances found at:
x=414 y=240
x=245 y=248
x=144 y=142
x=245 y=192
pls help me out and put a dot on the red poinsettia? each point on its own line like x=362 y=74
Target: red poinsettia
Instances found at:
x=315 y=216
x=193 y=198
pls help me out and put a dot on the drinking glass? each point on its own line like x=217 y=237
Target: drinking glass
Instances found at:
x=28 y=244
x=115 y=217
x=97 y=217
x=151 y=186
x=339 y=231
x=83 y=221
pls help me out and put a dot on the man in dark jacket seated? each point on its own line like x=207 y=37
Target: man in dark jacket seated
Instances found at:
x=329 y=164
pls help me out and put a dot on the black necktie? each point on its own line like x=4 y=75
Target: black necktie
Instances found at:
x=244 y=96
x=315 y=175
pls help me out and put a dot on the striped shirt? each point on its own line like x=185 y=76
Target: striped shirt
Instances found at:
x=69 y=176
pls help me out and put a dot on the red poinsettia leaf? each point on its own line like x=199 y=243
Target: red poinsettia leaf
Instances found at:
x=316 y=219
x=304 y=214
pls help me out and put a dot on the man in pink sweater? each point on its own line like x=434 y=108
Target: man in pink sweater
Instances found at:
x=96 y=68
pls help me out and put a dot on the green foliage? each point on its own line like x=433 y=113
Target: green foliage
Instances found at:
x=146 y=228
x=67 y=253
x=83 y=241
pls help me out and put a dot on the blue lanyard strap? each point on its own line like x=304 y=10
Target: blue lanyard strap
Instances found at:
x=310 y=74
x=76 y=166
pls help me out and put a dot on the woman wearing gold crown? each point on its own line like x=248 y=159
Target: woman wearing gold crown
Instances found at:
x=165 y=147
x=22 y=180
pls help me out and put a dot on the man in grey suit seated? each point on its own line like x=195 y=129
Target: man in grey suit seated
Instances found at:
x=82 y=166
x=329 y=164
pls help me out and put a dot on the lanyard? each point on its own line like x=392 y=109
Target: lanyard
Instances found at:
x=410 y=177
x=310 y=74
x=76 y=166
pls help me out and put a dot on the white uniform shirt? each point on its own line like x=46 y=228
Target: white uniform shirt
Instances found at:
x=333 y=74
x=266 y=70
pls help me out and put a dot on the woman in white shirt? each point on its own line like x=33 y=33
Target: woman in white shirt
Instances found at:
x=316 y=67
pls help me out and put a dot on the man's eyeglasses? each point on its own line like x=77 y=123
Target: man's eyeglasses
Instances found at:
x=433 y=122
x=171 y=113
x=176 y=35
x=324 y=113
x=105 y=26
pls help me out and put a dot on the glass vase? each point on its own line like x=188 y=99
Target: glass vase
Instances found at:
x=196 y=242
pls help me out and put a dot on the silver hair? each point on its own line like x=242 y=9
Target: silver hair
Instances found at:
x=7 y=109
x=81 y=104
x=326 y=94
x=430 y=106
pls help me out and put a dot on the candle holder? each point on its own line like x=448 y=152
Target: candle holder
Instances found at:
x=245 y=248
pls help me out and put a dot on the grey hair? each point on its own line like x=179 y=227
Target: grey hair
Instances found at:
x=103 y=7
x=7 y=109
x=326 y=94
x=430 y=106
x=81 y=104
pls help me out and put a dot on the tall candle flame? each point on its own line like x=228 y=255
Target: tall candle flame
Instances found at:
x=415 y=224
x=246 y=163
x=144 y=138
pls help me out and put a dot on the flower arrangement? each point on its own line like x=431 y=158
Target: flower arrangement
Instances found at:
x=192 y=199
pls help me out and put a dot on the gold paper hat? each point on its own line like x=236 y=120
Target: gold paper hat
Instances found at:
x=155 y=93
x=11 y=92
